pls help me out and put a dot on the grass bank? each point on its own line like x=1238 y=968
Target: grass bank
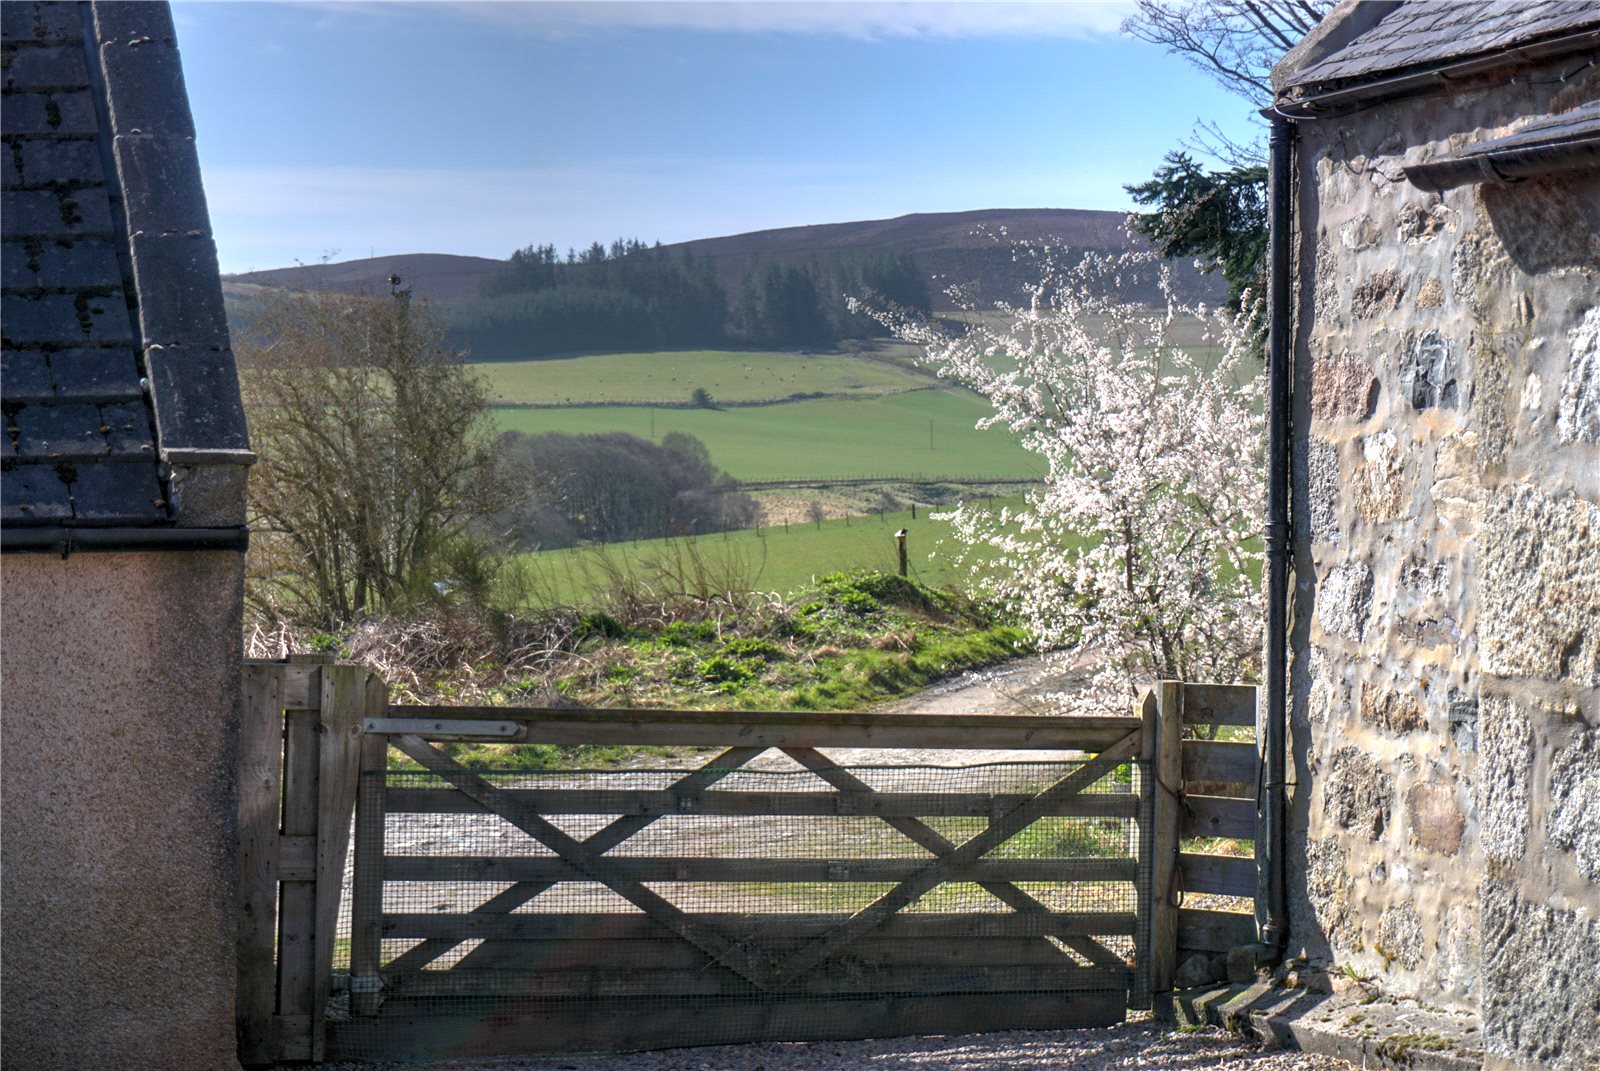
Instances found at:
x=776 y=559
x=924 y=433
x=846 y=641
x=670 y=377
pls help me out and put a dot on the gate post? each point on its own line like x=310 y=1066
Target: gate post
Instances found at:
x=1162 y=712
x=366 y=894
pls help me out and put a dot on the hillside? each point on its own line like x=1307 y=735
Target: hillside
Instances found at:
x=947 y=246
x=442 y=277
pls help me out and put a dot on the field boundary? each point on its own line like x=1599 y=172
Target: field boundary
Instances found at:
x=868 y=480
x=749 y=403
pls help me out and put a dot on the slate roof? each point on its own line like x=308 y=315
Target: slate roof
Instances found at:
x=1427 y=33
x=116 y=361
x=1580 y=124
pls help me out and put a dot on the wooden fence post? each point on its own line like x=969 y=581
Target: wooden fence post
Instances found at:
x=298 y=1012
x=1164 y=748
x=260 y=797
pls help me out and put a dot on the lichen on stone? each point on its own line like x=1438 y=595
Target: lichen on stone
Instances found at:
x=1506 y=747
x=1358 y=794
x=1539 y=602
x=1345 y=600
x=1574 y=822
x=1578 y=412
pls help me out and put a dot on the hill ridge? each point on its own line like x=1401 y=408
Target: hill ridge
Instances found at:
x=948 y=246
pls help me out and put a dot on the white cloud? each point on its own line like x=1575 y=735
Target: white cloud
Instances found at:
x=861 y=19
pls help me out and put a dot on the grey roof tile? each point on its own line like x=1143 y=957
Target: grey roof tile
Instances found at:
x=44 y=264
x=60 y=112
x=26 y=375
x=1424 y=33
x=31 y=66
x=95 y=375
x=58 y=213
x=51 y=161
x=66 y=319
x=112 y=493
x=127 y=427
x=34 y=494
x=22 y=20
x=59 y=432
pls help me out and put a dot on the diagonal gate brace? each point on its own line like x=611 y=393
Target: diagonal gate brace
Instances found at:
x=737 y=957
x=688 y=787
x=947 y=866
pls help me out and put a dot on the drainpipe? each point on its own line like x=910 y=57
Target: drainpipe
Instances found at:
x=1272 y=923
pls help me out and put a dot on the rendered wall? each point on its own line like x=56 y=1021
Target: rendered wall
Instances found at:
x=121 y=683
x=1446 y=686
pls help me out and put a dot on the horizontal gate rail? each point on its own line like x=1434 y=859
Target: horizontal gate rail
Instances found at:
x=711 y=728
x=618 y=927
x=655 y=803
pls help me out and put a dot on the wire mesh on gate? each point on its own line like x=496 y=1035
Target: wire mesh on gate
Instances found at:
x=638 y=908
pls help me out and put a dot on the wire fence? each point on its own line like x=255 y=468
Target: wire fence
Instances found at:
x=786 y=899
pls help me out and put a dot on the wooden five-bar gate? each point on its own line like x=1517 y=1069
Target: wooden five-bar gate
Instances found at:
x=791 y=876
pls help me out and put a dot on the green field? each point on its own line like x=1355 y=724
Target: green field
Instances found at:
x=926 y=433
x=671 y=377
x=767 y=559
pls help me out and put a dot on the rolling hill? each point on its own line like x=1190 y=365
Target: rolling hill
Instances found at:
x=970 y=249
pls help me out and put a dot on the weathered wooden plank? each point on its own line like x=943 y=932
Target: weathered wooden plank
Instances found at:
x=1224 y=875
x=646 y=980
x=297 y=905
x=655 y=803
x=613 y=954
x=366 y=894
x=260 y=798
x=794 y=728
x=1214 y=931
x=654 y=869
x=344 y=703
x=297 y=857
x=1220 y=763
x=917 y=926
x=1219 y=816
x=1165 y=723
x=1219 y=704
x=494 y=1029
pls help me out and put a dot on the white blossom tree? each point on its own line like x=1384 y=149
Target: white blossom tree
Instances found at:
x=1141 y=547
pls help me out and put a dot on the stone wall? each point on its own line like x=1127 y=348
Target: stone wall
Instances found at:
x=1446 y=682
x=121 y=683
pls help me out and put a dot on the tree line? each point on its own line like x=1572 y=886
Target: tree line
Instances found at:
x=634 y=296
x=605 y=488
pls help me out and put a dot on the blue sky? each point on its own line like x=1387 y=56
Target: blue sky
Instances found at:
x=349 y=128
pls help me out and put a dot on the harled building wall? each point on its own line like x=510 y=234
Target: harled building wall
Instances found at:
x=1446 y=689
x=117 y=744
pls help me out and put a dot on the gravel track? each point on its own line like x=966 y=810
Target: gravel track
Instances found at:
x=1130 y=1047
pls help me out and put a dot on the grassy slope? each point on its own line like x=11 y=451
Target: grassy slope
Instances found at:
x=770 y=559
x=838 y=644
x=821 y=439
x=671 y=377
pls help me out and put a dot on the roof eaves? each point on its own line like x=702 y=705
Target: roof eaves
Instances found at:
x=1316 y=98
